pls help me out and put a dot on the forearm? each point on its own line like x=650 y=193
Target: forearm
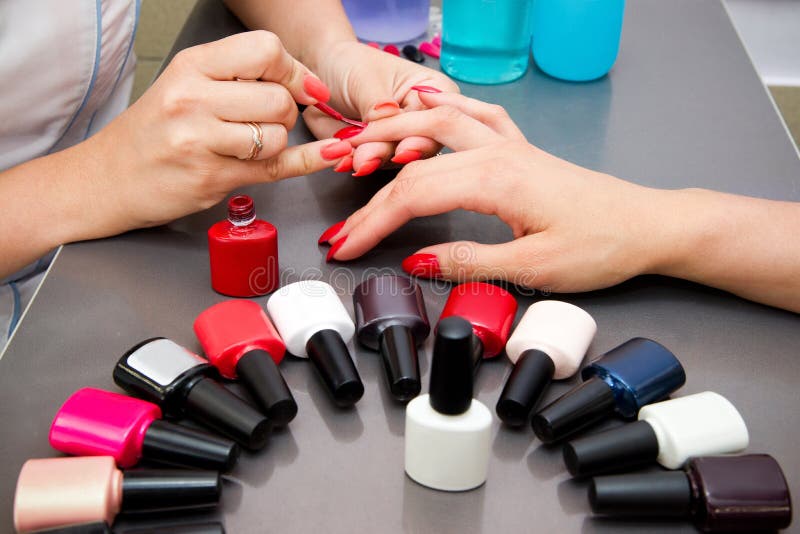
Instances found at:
x=744 y=245
x=46 y=202
x=307 y=28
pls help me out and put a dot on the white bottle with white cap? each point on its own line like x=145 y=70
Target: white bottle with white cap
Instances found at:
x=314 y=324
x=549 y=343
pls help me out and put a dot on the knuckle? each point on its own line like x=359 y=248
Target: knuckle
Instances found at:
x=183 y=143
x=497 y=111
x=446 y=113
x=268 y=44
x=279 y=138
x=273 y=168
x=176 y=101
x=307 y=163
x=282 y=104
x=183 y=59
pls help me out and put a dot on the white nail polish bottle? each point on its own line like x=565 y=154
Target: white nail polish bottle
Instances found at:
x=549 y=343
x=668 y=432
x=447 y=431
x=314 y=324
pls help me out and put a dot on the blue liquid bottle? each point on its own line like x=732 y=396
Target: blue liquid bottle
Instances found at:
x=388 y=21
x=485 y=41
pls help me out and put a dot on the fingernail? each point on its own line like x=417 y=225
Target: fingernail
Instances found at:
x=425 y=265
x=348 y=132
x=367 y=167
x=425 y=89
x=406 y=156
x=392 y=49
x=336 y=150
x=346 y=165
x=334 y=249
x=330 y=232
x=430 y=49
x=437 y=41
x=373 y=44
x=388 y=104
x=315 y=88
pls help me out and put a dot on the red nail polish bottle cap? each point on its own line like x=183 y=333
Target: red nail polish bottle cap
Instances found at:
x=489 y=308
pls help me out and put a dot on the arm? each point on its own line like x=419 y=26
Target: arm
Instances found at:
x=574 y=229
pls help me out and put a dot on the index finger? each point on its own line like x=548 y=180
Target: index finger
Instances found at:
x=257 y=55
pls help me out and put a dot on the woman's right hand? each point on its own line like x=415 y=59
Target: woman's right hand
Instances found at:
x=181 y=147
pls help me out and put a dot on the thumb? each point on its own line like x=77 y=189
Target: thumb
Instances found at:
x=461 y=261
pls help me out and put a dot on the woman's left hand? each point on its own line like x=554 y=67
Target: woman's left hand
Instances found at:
x=369 y=84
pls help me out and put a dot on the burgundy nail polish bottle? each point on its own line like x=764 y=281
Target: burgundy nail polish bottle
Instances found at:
x=181 y=383
x=243 y=252
x=717 y=493
x=240 y=341
x=390 y=317
x=490 y=310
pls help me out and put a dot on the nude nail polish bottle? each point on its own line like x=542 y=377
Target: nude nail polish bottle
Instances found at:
x=241 y=342
x=549 y=342
x=243 y=252
x=93 y=422
x=746 y=493
x=447 y=436
x=54 y=492
x=668 y=432
x=490 y=310
x=314 y=324
x=390 y=317
x=181 y=383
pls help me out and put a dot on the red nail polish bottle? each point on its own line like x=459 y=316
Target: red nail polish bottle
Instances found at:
x=243 y=252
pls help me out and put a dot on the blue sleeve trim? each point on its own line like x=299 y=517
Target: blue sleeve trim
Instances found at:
x=97 y=50
x=124 y=62
x=17 y=308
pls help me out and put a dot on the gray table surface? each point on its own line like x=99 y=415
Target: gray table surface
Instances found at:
x=683 y=107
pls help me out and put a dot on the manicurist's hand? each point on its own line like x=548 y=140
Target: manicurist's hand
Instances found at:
x=574 y=229
x=182 y=147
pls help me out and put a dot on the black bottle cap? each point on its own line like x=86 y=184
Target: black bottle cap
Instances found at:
x=172 y=527
x=620 y=449
x=328 y=352
x=95 y=527
x=665 y=494
x=214 y=406
x=399 y=351
x=259 y=373
x=452 y=367
x=154 y=490
x=174 y=444
x=528 y=380
x=578 y=408
x=477 y=353
x=412 y=52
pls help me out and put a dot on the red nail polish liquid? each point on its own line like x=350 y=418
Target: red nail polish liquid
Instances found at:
x=243 y=252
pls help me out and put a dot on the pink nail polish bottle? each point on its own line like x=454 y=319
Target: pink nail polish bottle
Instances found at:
x=54 y=492
x=93 y=422
x=243 y=252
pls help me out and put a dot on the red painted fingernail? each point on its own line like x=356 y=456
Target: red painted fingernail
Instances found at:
x=346 y=165
x=373 y=44
x=336 y=150
x=330 y=232
x=406 y=156
x=425 y=89
x=392 y=49
x=437 y=41
x=388 y=104
x=348 y=132
x=315 y=88
x=430 y=49
x=425 y=265
x=368 y=167
x=334 y=249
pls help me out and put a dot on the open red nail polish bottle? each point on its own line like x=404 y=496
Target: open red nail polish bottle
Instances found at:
x=243 y=252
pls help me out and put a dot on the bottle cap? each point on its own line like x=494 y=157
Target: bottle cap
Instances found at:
x=214 y=406
x=399 y=351
x=665 y=494
x=328 y=352
x=619 y=449
x=264 y=381
x=178 y=445
x=528 y=380
x=452 y=367
x=177 y=526
x=169 y=489
x=575 y=410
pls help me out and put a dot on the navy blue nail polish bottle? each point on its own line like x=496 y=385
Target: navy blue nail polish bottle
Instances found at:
x=636 y=373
